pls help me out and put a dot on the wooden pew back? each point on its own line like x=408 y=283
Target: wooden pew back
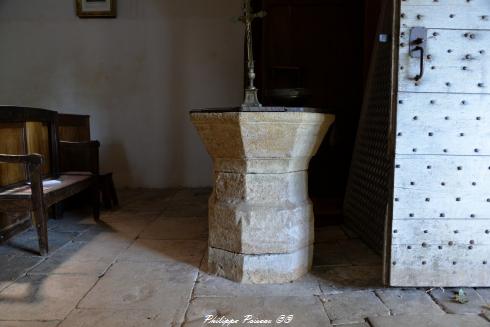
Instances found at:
x=24 y=131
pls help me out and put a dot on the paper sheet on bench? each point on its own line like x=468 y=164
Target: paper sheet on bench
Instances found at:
x=51 y=182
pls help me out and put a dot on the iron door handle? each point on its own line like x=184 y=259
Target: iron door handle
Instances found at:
x=418 y=48
x=421 y=72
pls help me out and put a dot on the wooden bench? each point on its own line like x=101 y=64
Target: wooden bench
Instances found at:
x=36 y=170
x=73 y=128
x=76 y=128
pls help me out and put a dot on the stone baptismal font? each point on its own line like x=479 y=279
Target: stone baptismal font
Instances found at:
x=261 y=223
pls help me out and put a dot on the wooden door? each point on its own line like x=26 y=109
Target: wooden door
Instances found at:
x=440 y=228
x=316 y=48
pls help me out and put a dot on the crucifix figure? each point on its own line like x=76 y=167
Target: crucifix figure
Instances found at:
x=251 y=99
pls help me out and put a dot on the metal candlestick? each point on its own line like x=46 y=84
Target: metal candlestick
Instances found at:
x=251 y=99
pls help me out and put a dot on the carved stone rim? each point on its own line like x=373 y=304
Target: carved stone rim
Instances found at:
x=264 y=109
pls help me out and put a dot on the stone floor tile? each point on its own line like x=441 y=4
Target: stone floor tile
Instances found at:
x=344 y=252
x=149 y=200
x=348 y=278
x=350 y=232
x=130 y=228
x=486 y=313
x=192 y=195
x=145 y=255
x=41 y=297
x=183 y=228
x=329 y=254
x=158 y=194
x=7 y=250
x=204 y=262
x=358 y=253
x=131 y=215
x=143 y=286
x=420 y=320
x=52 y=323
x=105 y=236
x=485 y=294
x=71 y=266
x=445 y=298
x=353 y=307
x=127 y=193
x=27 y=243
x=329 y=234
x=189 y=203
x=210 y=285
x=143 y=250
x=127 y=196
x=73 y=218
x=96 y=250
x=68 y=225
x=92 y=258
x=409 y=301
x=306 y=311
x=115 y=318
x=148 y=205
x=186 y=210
x=13 y=267
x=121 y=229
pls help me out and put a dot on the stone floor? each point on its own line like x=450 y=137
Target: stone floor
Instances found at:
x=145 y=265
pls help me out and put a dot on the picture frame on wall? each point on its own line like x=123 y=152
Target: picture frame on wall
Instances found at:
x=96 y=8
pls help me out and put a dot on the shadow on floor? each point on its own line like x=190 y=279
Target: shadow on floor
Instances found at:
x=146 y=262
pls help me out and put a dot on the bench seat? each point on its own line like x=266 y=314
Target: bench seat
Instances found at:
x=42 y=171
x=54 y=190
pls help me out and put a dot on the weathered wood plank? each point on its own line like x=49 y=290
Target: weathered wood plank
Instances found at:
x=452 y=124
x=455 y=14
x=459 y=60
x=444 y=174
x=441 y=232
x=450 y=266
x=442 y=4
x=423 y=204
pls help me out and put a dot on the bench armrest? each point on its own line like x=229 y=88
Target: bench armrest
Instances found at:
x=79 y=156
x=33 y=159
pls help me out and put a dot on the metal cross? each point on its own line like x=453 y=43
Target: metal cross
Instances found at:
x=251 y=99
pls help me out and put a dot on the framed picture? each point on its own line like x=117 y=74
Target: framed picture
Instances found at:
x=96 y=8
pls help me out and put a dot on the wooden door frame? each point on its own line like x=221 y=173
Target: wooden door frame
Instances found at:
x=391 y=7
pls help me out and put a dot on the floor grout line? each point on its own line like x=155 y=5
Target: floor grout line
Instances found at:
x=434 y=299
x=383 y=302
x=192 y=292
x=102 y=275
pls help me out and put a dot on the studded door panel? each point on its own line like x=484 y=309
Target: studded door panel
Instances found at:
x=456 y=62
x=368 y=188
x=440 y=233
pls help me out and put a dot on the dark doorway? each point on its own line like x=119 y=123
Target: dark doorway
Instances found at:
x=315 y=53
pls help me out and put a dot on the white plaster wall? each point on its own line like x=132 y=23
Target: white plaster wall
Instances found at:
x=137 y=76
